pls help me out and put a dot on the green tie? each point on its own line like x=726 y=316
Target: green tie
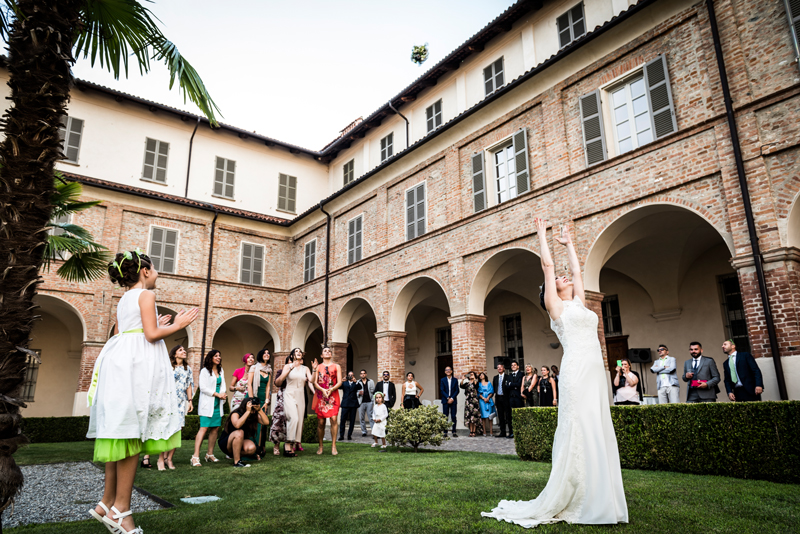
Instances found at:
x=732 y=365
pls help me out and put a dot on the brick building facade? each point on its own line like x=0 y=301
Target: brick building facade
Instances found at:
x=659 y=221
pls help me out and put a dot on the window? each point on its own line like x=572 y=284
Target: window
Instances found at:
x=631 y=116
x=354 y=239
x=793 y=11
x=310 y=260
x=433 y=115
x=31 y=374
x=733 y=311
x=252 y=264
x=349 y=171
x=287 y=193
x=163 y=248
x=415 y=211
x=223 y=178
x=155 y=160
x=639 y=109
x=387 y=147
x=71 y=132
x=512 y=338
x=493 y=76
x=571 y=25
x=510 y=163
x=612 y=325
x=444 y=354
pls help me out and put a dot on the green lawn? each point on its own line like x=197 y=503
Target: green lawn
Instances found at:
x=363 y=491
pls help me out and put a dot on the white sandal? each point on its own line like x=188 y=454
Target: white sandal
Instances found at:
x=116 y=523
x=195 y=461
x=100 y=517
x=211 y=458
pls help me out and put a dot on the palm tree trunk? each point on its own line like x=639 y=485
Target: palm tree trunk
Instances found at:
x=40 y=56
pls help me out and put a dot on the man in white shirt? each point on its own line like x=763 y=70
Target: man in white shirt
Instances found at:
x=665 y=369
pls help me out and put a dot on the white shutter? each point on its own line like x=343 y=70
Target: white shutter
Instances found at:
x=478 y=182
x=659 y=97
x=70 y=133
x=594 y=140
x=521 y=161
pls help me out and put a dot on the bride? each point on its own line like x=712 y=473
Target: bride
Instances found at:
x=585 y=483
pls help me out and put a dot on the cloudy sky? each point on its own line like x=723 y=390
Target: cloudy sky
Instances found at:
x=301 y=71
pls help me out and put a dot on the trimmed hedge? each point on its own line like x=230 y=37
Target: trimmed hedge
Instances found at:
x=757 y=440
x=65 y=429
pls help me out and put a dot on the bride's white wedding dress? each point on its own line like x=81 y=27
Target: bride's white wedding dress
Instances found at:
x=585 y=483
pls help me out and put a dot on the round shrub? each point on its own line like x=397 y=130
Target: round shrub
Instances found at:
x=422 y=426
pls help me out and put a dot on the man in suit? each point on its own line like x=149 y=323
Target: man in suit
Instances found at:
x=349 y=405
x=502 y=394
x=743 y=380
x=386 y=387
x=515 y=399
x=448 y=387
x=665 y=369
x=702 y=375
x=365 y=388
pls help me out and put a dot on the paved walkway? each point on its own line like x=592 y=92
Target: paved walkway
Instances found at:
x=462 y=443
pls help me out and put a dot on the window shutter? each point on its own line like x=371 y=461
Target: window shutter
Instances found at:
x=247 y=255
x=478 y=182
x=311 y=256
x=594 y=140
x=564 y=35
x=170 y=249
x=411 y=210
x=420 y=209
x=258 y=264
x=161 y=162
x=429 y=118
x=291 y=200
x=578 y=22
x=157 y=247
x=351 y=241
x=793 y=11
x=219 y=177
x=659 y=96
x=283 y=186
x=498 y=73
x=358 y=239
x=72 y=138
x=229 y=178
x=521 y=161
x=488 y=79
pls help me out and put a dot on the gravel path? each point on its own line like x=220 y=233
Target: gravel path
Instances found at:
x=63 y=492
x=462 y=443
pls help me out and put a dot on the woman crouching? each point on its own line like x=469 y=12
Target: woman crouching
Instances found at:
x=239 y=434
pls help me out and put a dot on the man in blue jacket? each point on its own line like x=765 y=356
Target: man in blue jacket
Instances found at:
x=743 y=380
x=448 y=386
x=349 y=405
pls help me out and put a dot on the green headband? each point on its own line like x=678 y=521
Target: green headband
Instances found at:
x=128 y=256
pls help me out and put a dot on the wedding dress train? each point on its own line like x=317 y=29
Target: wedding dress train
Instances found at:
x=585 y=484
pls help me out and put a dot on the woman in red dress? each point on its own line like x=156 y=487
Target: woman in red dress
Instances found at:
x=327 y=381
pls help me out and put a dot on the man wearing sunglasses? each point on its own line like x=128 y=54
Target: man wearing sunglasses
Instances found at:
x=665 y=369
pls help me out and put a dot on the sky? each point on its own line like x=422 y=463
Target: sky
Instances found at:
x=301 y=71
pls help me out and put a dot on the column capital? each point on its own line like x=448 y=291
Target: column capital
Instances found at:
x=390 y=333
x=99 y=344
x=594 y=295
x=467 y=317
x=338 y=345
x=770 y=256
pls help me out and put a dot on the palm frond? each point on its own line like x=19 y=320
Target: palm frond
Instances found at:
x=116 y=29
x=85 y=267
x=7 y=12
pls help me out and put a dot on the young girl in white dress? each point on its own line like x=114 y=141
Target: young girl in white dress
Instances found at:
x=134 y=406
x=379 y=414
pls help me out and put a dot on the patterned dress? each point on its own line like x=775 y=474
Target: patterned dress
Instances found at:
x=183 y=379
x=326 y=407
x=277 y=432
x=472 y=407
x=239 y=396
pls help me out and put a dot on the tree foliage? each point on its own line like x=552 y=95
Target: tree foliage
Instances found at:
x=421 y=426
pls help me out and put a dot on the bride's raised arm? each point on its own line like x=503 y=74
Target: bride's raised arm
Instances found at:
x=574 y=265
x=551 y=300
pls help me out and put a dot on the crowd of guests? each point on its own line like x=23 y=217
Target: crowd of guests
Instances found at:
x=248 y=428
x=741 y=377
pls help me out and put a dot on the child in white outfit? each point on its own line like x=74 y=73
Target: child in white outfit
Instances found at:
x=134 y=406
x=379 y=414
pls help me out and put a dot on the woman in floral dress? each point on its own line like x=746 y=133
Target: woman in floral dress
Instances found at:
x=239 y=381
x=472 y=407
x=277 y=432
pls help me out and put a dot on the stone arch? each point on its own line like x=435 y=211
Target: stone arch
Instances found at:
x=496 y=269
x=608 y=242
x=414 y=292
x=247 y=321
x=58 y=303
x=353 y=310
x=305 y=326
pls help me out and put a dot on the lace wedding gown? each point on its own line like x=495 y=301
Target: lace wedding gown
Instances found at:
x=585 y=483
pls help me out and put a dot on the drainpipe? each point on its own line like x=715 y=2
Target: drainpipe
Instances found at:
x=748 y=209
x=208 y=282
x=327 y=269
x=189 y=164
x=404 y=118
